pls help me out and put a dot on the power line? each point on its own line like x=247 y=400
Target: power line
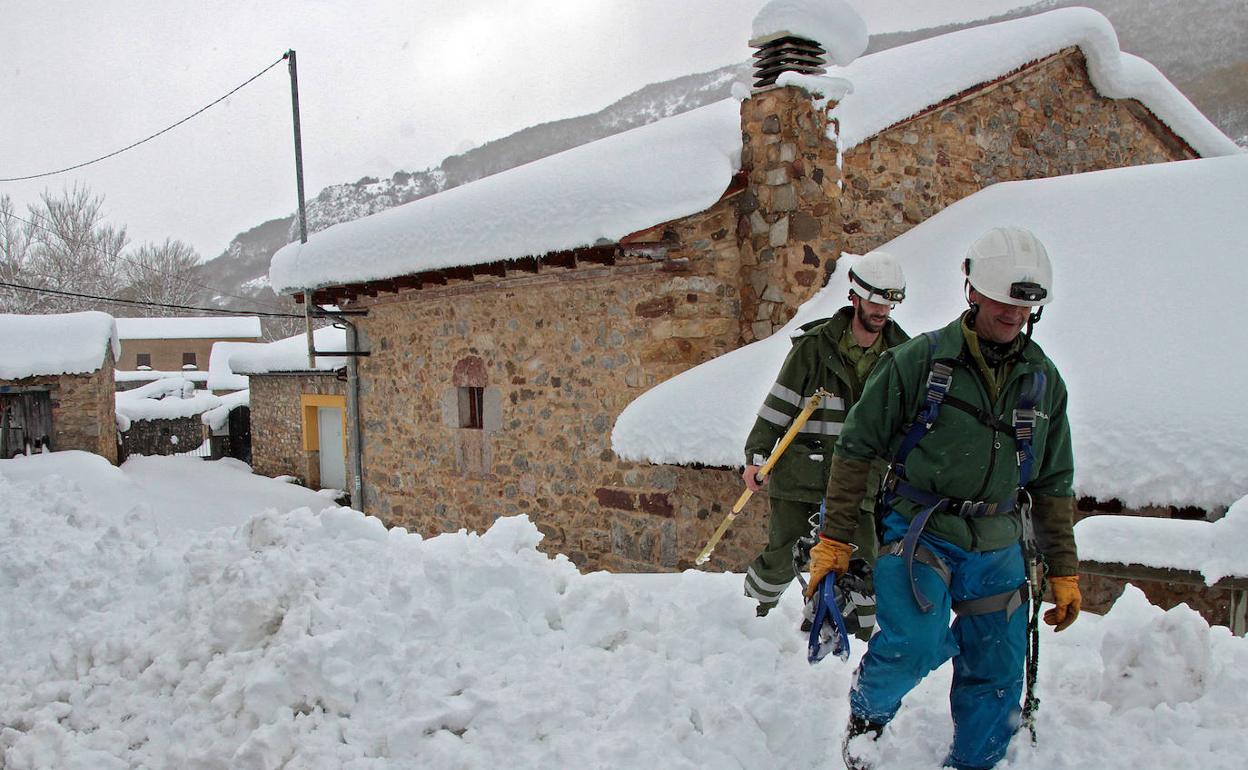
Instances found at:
x=119 y=255
x=153 y=136
x=117 y=301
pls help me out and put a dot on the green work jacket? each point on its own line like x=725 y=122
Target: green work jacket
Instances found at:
x=961 y=457
x=814 y=362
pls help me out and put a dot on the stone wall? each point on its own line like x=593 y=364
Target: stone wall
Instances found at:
x=165 y=436
x=1046 y=120
x=83 y=409
x=277 y=424
x=793 y=221
x=558 y=356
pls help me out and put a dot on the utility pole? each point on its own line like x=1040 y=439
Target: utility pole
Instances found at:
x=303 y=213
x=294 y=102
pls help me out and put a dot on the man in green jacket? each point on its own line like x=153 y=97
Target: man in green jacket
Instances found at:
x=973 y=420
x=835 y=354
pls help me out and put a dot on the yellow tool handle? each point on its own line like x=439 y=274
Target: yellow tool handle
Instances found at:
x=811 y=405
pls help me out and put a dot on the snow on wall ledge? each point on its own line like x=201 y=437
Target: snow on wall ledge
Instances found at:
x=600 y=191
x=893 y=85
x=1215 y=549
x=1155 y=415
x=287 y=355
x=67 y=343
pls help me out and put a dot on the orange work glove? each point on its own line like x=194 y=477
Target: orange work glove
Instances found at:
x=828 y=555
x=1067 y=598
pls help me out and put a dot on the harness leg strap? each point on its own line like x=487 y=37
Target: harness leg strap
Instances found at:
x=1006 y=600
x=908 y=545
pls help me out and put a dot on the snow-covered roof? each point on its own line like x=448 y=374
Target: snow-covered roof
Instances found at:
x=900 y=82
x=599 y=191
x=831 y=23
x=679 y=166
x=164 y=399
x=209 y=328
x=288 y=355
x=1146 y=326
x=220 y=375
x=67 y=343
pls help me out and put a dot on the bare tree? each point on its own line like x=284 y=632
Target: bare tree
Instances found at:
x=162 y=273
x=14 y=260
x=63 y=244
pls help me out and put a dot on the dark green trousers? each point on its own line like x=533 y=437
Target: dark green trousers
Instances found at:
x=772 y=570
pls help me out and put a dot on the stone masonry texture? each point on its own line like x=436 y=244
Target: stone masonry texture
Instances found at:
x=83 y=409
x=277 y=424
x=559 y=354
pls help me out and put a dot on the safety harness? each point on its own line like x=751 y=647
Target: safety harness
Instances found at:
x=1022 y=427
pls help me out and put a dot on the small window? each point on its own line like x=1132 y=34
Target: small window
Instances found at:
x=188 y=361
x=470 y=402
x=143 y=360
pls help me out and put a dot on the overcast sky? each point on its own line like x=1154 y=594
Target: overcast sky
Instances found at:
x=396 y=84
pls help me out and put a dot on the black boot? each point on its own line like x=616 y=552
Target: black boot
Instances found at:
x=858 y=726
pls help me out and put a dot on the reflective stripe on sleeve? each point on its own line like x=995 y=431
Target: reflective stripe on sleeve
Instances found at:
x=785 y=394
x=774 y=416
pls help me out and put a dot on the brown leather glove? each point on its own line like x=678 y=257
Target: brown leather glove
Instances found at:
x=826 y=556
x=1067 y=598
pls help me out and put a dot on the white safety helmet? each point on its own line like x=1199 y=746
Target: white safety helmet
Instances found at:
x=1010 y=265
x=877 y=277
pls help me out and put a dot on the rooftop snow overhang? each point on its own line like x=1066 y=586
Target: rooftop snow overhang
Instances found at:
x=653 y=242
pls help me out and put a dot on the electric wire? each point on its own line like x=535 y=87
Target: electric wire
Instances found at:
x=153 y=136
x=144 y=303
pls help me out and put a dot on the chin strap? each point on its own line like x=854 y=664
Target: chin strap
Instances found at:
x=1032 y=320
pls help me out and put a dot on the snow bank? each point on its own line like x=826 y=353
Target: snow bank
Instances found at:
x=212 y=327
x=305 y=640
x=898 y=83
x=288 y=355
x=833 y=24
x=603 y=190
x=66 y=343
x=216 y=417
x=1153 y=407
x=165 y=399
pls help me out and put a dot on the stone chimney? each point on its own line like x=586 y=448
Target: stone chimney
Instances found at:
x=789 y=221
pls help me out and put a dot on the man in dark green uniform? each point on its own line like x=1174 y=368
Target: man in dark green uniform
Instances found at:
x=835 y=354
x=973 y=419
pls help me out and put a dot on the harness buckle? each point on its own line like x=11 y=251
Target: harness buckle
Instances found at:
x=1024 y=423
x=938 y=381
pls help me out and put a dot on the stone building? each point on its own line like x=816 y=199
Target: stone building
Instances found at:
x=510 y=321
x=297 y=412
x=56 y=383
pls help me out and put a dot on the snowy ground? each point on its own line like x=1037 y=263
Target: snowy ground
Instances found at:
x=221 y=623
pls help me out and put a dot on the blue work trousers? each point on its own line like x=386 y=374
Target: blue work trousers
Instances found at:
x=988 y=650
